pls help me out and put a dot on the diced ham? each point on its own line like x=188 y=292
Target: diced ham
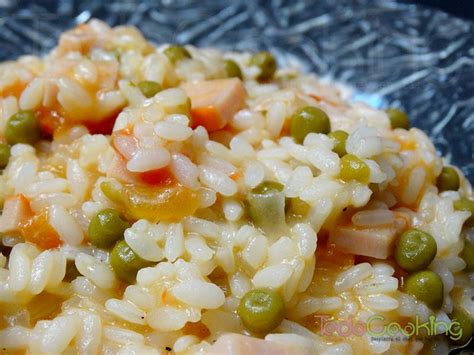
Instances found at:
x=16 y=211
x=373 y=242
x=236 y=344
x=215 y=102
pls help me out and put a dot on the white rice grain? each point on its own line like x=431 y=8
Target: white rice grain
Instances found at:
x=273 y=276
x=99 y=272
x=348 y=278
x=172 y=131
x=65 y=225
x=32 y=95
x=199 y=294
x=126 y=311
x=149 y=159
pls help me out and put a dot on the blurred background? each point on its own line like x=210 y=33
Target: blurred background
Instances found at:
x=417 y=55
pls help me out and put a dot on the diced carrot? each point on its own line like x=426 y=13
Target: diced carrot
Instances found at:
x=162 y=177
x=49 y=120
x=103 y=126
x=235 y=175
x=329 y=254
x=14 y=89
x=285 y=130
x=16 y=210
x=208 y=117
x=163 y=203
x=215 y=102
x=37 y=230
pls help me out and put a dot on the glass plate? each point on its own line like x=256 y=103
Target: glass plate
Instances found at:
x=415 y=57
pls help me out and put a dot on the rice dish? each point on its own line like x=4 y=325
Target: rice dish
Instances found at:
x=181 y=200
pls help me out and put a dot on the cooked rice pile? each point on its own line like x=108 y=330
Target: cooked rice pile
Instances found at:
x=181 y=173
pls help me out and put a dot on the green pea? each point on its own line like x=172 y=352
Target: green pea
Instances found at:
x=307 y=120
x=23 y=127
x=266 y=63
x=340 y=138
x=427 y=287
x=176 y=53
x=267 y=206
x=461 y=330
x=4 y=155
x=465 y=204
x=398 y=119
x=232 y=69
x=106 y=227
x=354 y=168
x=467 y=255
x=448 y=179
x=149 y=88
x=415 y=250
x=261 y=310
x=126 y=262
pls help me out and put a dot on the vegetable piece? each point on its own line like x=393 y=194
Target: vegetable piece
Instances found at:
x=157 y=177
x=160 y=203
x=427 y=287
x=4 y=155
x=215 y=102
x=415 y=250
x=398 y=119
x=149 y=88
x=232 y=69
x=37 y=230
x=49 y=120
x=353 y=168
x=266 y=63
x=460 y=333
x=467 y=255
x=267 y=206
x=16 y=211
x=106 y=228
x=465 y=204
x=297 y=207
x=307 y=120
x=126 y=262
x=261 y=310
x=340 y=138
x=23 y=127
x=448 y=179
x=176 y=53
x=113 y=191
x=374 y=242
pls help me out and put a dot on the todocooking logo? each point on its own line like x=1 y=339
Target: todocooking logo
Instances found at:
x=393 y=331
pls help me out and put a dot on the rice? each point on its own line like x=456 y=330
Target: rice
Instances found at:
x=180 y=169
